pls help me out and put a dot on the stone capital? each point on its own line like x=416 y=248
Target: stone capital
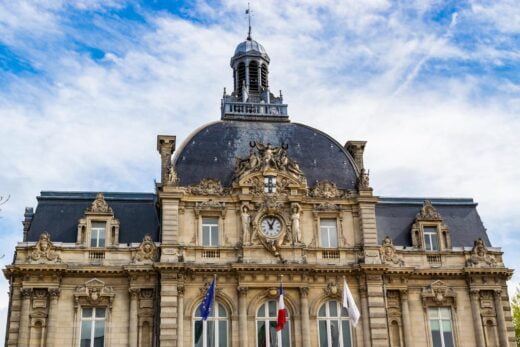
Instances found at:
x=134 y=292
x=54 y=293
x=26 y=293
x=242 y=290
x=304 y=292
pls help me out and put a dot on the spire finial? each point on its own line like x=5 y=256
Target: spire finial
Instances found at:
x=248 y=12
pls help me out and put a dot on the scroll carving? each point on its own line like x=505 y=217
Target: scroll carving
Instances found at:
x=428 y=212
x=388 y=253
x=99 y=205
x=147 y=250
x=44 y=250
x=438 y=293
x=325 y=190
x=94 y=293
x=208 y=186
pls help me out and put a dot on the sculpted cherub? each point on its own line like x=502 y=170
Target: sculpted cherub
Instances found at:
x=43 y=251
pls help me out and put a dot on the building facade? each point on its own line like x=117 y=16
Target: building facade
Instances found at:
x=256 y=200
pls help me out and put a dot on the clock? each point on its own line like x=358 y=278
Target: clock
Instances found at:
x=271 y=226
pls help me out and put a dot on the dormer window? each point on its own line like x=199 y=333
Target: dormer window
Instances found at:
x=431 y=239
x=98 y=234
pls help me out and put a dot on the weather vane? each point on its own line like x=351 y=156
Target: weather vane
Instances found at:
x=248 y=12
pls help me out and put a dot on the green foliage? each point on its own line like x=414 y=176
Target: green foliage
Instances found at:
x=515 y=306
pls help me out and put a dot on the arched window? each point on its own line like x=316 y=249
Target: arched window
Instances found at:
x=264 y=76
x=266 y=335
x=253 y=77
x=241 y=71
x=334 y=325
x=214 y=331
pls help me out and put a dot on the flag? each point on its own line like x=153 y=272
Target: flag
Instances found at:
x=282 y=314
x=350 y=304
x=207 y=304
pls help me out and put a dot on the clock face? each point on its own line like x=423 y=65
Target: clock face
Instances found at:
x=271 y=226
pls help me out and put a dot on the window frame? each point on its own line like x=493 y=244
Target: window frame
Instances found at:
x=430 y=233
x=214 y=317
x=97 y=230
x=439 y=319
x=93 y=319
x=328 y=233
x=328 y=318
x=266 y=319
x=218 y=226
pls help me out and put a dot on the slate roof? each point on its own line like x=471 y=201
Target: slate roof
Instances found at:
x=395 y=216
x=58 y=214
x=210 y=152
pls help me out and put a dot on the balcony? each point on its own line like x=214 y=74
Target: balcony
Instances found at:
x=252 y=111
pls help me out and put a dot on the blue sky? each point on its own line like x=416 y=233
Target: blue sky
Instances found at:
x=433 y=86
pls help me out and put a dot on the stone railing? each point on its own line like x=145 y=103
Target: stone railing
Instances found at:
x=246 y=109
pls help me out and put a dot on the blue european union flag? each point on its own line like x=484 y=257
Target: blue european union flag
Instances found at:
x=209 y=298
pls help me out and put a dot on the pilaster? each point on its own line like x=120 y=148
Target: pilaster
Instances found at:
x=242 y=315
x=52 y=325
x=304 y=302
x=23 y=332
x=376 y=310
x=168 y=332
x=501 y=321
x=477 y=320
x=133 y=325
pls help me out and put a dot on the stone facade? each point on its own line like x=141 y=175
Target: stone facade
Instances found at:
x=150 y=288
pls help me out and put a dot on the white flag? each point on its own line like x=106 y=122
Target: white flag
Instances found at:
x=349 y=304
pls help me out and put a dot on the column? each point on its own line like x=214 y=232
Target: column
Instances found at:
x=242 y=316
x=501 y=321
x=133 y=327
x=364 y=316
x=477 y=320
x=180 y=316
x=23 y=331
x=407 y=325
x=304 y=300
x=52 y=321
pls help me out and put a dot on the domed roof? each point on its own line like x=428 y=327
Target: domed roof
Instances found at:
x=249 y=46
x=211 y=152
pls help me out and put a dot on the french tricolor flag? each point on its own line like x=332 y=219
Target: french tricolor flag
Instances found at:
x=282 y=314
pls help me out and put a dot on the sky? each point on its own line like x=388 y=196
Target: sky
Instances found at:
x=433 y=86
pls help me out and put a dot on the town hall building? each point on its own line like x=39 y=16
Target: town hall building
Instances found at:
x=256 y=199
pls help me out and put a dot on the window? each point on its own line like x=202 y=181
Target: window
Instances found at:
x=210 y=232
x=97 y=234
x=270 y=184
x=334 y=325
x=214 y=329
x=266 y=319
x=92 y=327
x=441 y=326
x=328 y=233
x=431 y=239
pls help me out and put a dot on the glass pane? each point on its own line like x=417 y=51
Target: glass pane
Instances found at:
x=261 y=337
x=331 y=223
x=427 y=242
x=435 y=325
x=99 y=333
x=435 y=242
x=261 y=311
x=221 y=311
x=333 y=309
x=99 y=225
x=446 y=326
x=93 y=238
x=445 y=312
x=210 y=337
x=272 y=334
x=333 y=238
x=344 y=312
x=286 y=339
x=222 y=334
x=272 y=309
x=334 y=333
x=347 y=339
x=85 y=333
x=448 y=339
x=324 y=238
x=433 y=313
x=322 y=325
x=101 y=242
x=198 y=333
x=197 y=312
x=205 y=236
x=210 y=221
x=436 y=338
x=100 y=312
x=214 y=236
x=322 y=312
x=87 y=312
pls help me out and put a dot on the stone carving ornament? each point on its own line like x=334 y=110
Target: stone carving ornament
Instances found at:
x=438 y=293
x=364 y=180
x=428 y=212
x=44 y=250
x=147 y=250
x=99 y=205
x=207 y=186
x=266 y=157
x=326 y=190
x=480 y=257
x=388 y=253
x=94 y=293
x=172 y=179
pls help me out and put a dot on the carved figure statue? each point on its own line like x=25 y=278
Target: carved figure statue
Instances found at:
x=295 y=224
x=325 y=189
x=246 y=222
x=388 y=253
x=43 y=250
x=172 y=178
x=146 y=251
x=364 y=180
x=480 y=257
